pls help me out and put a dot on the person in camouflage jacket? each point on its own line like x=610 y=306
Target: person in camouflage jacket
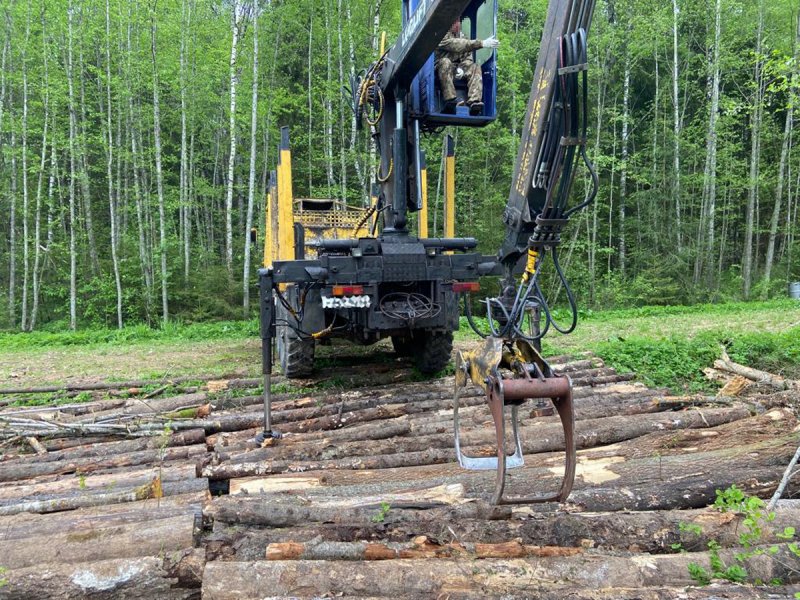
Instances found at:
x=454 y=61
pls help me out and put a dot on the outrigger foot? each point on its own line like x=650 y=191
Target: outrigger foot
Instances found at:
x=530 y=378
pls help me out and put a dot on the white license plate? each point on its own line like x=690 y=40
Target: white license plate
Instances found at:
x=347 y=302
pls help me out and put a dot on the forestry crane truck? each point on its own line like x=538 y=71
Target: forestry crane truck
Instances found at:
x=319 y=283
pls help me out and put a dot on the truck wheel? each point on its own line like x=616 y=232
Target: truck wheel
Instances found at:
x=295 y=353
x=433 y=350
x=403 y=345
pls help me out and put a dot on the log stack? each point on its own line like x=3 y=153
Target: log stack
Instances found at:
x=171 y=497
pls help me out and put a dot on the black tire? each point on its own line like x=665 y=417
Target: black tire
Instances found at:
x=295 y=353
x=433 y=350
x=403 y=345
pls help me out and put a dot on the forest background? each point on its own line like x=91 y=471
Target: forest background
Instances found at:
x=136 y=141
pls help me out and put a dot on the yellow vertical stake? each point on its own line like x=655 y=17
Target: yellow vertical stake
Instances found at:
x=422 y=224
x=449 y=189
x=270 y=235
x=285 y=214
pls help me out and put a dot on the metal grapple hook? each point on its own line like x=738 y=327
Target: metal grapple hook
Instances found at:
x=531 y=378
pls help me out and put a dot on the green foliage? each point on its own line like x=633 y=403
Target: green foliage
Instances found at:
x=380 y=516
x=754 y=520
x=3 y=580
x=677 y=362
x=136 y=334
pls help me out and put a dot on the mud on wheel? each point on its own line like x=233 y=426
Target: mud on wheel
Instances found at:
x=432 y=350
x=295 y=350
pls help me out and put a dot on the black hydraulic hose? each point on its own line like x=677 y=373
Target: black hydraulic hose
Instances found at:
x=570 y=297
x=470 y=319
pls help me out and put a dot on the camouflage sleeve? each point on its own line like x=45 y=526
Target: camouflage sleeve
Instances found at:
x=458 y=45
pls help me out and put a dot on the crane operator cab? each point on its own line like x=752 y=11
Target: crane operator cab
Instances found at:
x=472 y=106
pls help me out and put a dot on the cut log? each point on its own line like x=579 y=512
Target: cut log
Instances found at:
x=115 y=579
x=154 y=490
x=142 y=406
x=148 y=537
x=775 y=381
x=22 y=469
x=101 y=385
x=433 y=579
x=421 y=547
x=22 y=525
x=182 y=438
x=538 y=436
x=60 y=485
x=288 y=513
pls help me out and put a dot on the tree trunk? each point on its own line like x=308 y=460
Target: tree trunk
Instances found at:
x=706 y=237
x=251 y=189
x=327 y=107
x=421 y=547
x=37 y=254
x=162 y=225
x=73 y=270
x=112 y=201
x=83 y=156
x=235 y=23
x=787 y=131
x=755 y=155
x=623 y=175
x=26 y=266
x=15 y=470
x=357 y=156
x=182 y=192
x=676 y=129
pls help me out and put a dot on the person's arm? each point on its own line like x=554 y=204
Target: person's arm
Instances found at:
x=456 y=45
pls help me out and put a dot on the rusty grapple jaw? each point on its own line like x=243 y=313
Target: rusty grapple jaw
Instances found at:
x=531 y=378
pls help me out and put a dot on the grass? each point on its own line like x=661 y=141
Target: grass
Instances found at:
x=137 y=352
x=667 y=346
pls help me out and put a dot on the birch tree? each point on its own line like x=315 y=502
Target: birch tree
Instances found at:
x=236 y=19
x=162 y=225
x=251 y=189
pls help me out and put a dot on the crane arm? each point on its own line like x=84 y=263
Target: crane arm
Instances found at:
x=554 y=129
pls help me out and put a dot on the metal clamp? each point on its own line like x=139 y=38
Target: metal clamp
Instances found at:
x=482 y=368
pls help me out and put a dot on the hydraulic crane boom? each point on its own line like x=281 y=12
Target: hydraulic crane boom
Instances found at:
x=395 y=284
x=561 y=42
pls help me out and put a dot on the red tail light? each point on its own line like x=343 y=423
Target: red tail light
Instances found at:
x=347 y=290
x=466 y=286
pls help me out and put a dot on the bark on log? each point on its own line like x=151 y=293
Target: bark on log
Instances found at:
x=104 y=385
x=148 y=537
x=433 y=579
x=115 y=579
x=538 y=437
x=254 y=511
x=651 y=532
x=141 y=406
x=21 y=469
x=189 y=437
x=151 y=490
x=60 y=485
x=421 y=547
x=21 y=525
x=775 y=381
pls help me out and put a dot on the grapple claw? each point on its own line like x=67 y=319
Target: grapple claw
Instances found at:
x=532 y=379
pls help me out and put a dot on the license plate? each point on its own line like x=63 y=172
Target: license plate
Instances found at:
x=347 y=302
